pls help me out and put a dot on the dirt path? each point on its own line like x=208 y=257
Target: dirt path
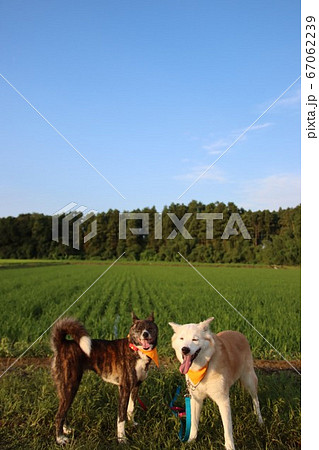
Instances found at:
x=275 y=366
x=261 y=364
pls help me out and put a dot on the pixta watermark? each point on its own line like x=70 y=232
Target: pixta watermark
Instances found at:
x=71 y=211
x=230 y=230
x=234 y=226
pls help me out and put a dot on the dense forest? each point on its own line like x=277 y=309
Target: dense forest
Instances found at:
x=275 y=237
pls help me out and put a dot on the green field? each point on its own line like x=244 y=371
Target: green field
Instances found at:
x=33 y=295
x=32 y=298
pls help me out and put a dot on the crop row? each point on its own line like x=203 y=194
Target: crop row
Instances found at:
x=268 y=301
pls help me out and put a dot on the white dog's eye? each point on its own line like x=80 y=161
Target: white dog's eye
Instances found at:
x=195 y=340
x=181 y=338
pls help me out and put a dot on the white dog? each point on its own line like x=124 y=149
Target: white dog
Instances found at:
x=211 y=364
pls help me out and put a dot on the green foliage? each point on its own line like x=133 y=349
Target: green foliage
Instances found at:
x=275 y=237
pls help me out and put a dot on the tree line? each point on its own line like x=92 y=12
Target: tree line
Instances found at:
x=275 y=237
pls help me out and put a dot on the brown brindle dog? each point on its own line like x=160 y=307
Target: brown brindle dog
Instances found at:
x=123 y=362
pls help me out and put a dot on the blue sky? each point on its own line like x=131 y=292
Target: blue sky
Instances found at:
x=151 y=93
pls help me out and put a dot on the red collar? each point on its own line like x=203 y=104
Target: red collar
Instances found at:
x=133 y=347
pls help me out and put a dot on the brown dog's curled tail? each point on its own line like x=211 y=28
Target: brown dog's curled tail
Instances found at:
x=75 y=329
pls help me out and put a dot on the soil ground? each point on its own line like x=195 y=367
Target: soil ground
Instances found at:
x=261 y=364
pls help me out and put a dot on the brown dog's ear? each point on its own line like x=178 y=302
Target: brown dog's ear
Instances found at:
x=134 y=317
x=151 y=317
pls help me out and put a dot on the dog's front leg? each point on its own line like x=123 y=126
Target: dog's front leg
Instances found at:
x=124 y=395
x=131 y=404
x=196 y=406
x=225 y=412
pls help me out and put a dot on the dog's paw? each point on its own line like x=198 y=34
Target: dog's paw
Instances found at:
x=62 y=440
x=260 y=421
x=67 y=430
x=122 y=440
x=133 y=423
x=229 y=446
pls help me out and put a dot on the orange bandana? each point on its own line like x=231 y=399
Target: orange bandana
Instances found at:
x=196 y=376
x=150 y=353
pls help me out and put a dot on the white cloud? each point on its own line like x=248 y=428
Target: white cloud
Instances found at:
x=214 y=174
x=215 y=152
x=219 y=146
x=273 y=192
x=260 y=126
x=290 y=100
x=215 y=148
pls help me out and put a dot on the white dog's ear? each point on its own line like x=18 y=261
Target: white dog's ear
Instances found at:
x=205 y=324
x=175 y=326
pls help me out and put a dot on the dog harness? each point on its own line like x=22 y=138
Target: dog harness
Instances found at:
x=196 y=376
x=150 y=353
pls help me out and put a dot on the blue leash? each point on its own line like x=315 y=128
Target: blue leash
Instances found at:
x=180 y=412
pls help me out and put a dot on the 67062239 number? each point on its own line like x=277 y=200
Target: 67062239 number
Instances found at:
x=310 y=47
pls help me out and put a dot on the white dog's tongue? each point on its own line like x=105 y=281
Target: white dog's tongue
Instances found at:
x=187 y=362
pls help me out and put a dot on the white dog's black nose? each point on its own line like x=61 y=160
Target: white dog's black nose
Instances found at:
x=185 y=350
x=145 y=334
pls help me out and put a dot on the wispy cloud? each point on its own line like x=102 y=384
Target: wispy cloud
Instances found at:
x=272 y=192
x=218 y=146
x=260 y=126
x=212 y=147
x=215 y=152
x=290 y=100
x=215 y=175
